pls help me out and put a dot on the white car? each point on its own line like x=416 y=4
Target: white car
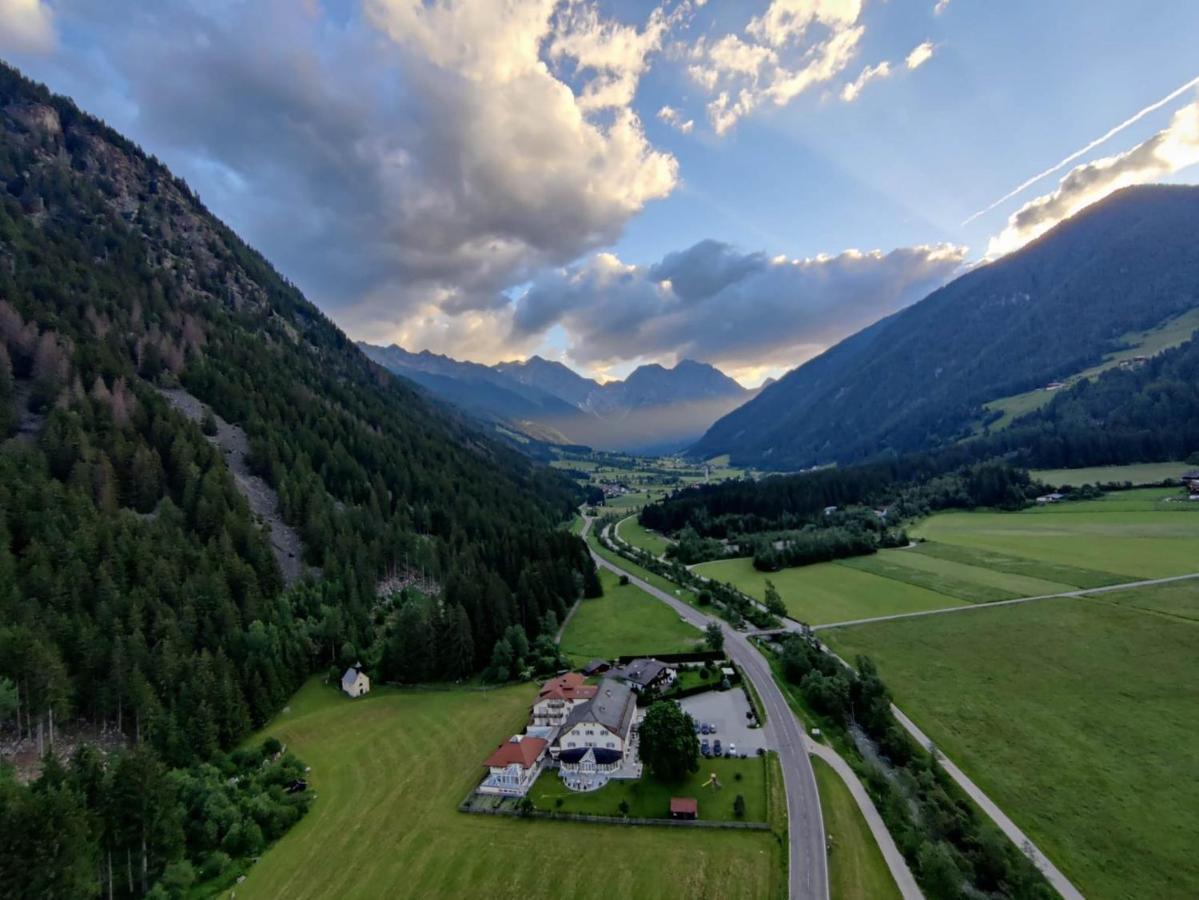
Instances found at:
x=732 y=750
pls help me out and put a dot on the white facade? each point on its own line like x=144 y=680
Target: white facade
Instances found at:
x=355 y=683
x=591 y=734
x=552 y=711
x=512 y=780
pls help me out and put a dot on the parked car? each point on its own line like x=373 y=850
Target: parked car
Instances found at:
x=732 y=749
x=705 y=748
x=716 y=748
x=695 y=725
x=705 y=728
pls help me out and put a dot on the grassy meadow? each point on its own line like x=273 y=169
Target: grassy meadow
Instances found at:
x=856 y=868
x=1138 y=473
x=624 y=621
x=389 y=771
x=828 y=592
x=1077 y=716
x=632 y=533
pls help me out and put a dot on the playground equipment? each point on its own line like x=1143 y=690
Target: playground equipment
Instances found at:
x=713 y=781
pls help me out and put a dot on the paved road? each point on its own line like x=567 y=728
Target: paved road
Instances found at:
x=904 y=879
x=808 y=870
x=1129 y=585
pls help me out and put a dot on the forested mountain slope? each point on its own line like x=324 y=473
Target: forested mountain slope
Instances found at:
x=137 y=589
x=918 y=380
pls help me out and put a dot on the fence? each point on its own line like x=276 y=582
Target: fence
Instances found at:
x=466 y=807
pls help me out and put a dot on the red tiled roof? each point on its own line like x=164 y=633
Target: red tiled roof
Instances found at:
x=525 y=751
x=567 y=687
x=684 y=805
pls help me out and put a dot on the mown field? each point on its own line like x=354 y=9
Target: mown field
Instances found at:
x=982 y=557
x=1140 y=473
x=856 y=868
x=624 y=621
x=828 y=592
x=1077 y=716
x=389 y=771
x=649 y=798
x=631 y=531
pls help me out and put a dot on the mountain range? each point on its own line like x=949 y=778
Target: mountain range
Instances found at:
x=1108 y=297
x=654 y=409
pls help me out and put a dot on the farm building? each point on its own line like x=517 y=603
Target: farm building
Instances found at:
x=645 y=675
x=596 y=667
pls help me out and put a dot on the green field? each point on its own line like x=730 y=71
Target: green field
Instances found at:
x=828 y=592
x=1128 y=543
x=1141 y=473
x=624 y=621
x=631 y=532
x=389 y=771
x=1077 y=716
x=856 y=868
x=980 y=557
x=649 y=798
x=976 y=584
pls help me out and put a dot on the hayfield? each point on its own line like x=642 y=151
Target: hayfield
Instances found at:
x=389 y=770
x=1139 y=473
x=624 y=621
x=828 y=592
x=1077 y=716
x=631 y=532
x=856 y=868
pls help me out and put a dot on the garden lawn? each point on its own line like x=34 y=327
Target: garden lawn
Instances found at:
x=828 y=592
x=389 y=771
x=1130 y=544
x=856 y=868
x=649 y=798
x=631 y=532
x=1077 y=716
x=965 y=582
x=626 y=621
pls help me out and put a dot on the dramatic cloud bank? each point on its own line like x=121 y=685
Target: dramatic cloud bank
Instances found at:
x=1171 y=150
x=406 y=163
x=26 y=26
x=745 y=312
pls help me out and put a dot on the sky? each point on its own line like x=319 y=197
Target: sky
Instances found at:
x=609 y=182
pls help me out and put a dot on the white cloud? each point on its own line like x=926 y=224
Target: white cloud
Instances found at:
x=675 y=120
x=792 y=46
x=920 y=54
x=26 y=26
x=743 y=311
x=850 y=92
x=1171 y=150
x=941 y=6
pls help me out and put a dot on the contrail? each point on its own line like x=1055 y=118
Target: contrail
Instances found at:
x=1089 y=147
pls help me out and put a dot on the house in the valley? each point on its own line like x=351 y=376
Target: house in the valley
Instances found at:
x=646 y=675
x=513 y=766
x=558 y=697
x=355 y=682
x=1055 y=497
x=597 y=734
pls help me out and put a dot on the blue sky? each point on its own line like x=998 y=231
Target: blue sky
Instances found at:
x=491 y=183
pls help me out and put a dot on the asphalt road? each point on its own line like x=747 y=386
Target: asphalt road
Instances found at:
x=807 y=869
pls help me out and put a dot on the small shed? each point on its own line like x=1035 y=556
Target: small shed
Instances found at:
x=684 y=808
x=596 y=667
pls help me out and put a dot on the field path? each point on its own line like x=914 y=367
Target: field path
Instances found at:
x=1085 y=592
x=1053 y=875
x=808 y=862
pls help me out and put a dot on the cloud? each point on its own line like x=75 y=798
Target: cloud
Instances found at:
x=920 y=54
x=408 y=160
x=941 y=6
x=26 y=26
x=792 y=46
x=743 y=311
x=1171 y=150
x=674 y=119
x=850 y=92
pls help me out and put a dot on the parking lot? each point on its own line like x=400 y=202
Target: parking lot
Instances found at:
x=726 y=711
